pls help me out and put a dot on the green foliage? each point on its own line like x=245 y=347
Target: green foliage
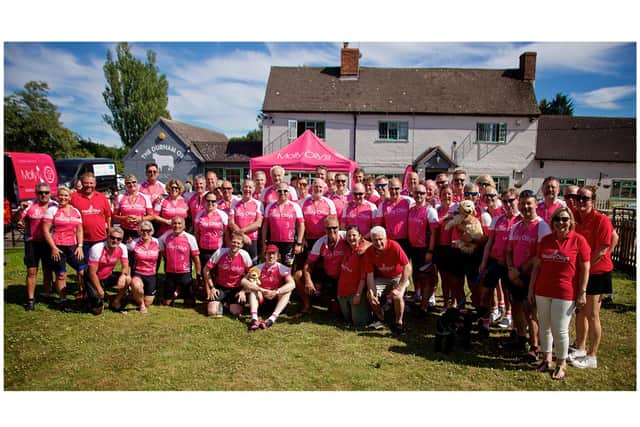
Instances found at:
x=32 y=124
x=254 y=135
x=560 y=105
x=135 y=93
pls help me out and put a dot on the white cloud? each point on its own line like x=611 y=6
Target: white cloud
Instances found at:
x=606 y=98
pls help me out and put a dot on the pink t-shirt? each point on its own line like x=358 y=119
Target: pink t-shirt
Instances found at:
x=95 y=211
x=229 y=269
x=139 y=206
x=225 y=205
x=389 y=263
x=282 y=220
x=273 y=276
x=314 y=212
x=558 y=262
x=598 y=230
x=65 y=224
x=444 y=235
x=106 y=261
x=500 y=228
x=178 y=251
x=339 y=201
x=210 y=226
x=168 y=209
x=32 y=217
x=362 y=215
x=156 y=192
x=246 y=213
x=394 y=217
x=373 y=198
x=524 y=238
x=422 y=221
x=146 y=257
x=546 y=213
x=196 y=204
x=270 y=195
x=331 y=258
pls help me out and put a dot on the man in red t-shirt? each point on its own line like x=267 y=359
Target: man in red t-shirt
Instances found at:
x=387 y=270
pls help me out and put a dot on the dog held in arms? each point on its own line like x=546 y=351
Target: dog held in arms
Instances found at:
x=466 y=222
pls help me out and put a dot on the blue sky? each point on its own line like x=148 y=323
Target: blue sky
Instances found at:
x=221 y=85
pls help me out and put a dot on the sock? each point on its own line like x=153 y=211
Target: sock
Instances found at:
x=494 y=309
x=273 y=317
x=485 y=323
x=254 y=315
x=508 y=314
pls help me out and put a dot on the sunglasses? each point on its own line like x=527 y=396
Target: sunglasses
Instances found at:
x=583 y=199
x=174 y=187
x=571 y=196
x=115 y=239
x=227 y=188
x=422 y=193
x=43 y=192
x=484 y=184
x=508 y=200
x=561 y=219
x=442 y=182
x=396 y=188
x=332 y=228
x=381 y=185
x=358 y=194
x=458 y=180
x=342 y=181
x=490 y=196
x=470 y=193
x=283 y=191
x=131 y=182
x=145 y=230
x=302 y=183
x=152 y=171
x=210 y=201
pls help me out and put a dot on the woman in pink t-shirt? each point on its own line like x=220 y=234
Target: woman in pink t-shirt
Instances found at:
x=558 y=285
x=145 y=251
x=131 y=208
x=65 y=241
x=173 y=205
x=209 y=228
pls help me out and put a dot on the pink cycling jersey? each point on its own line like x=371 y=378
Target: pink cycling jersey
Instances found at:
x=394 y=217
x=545 y=212
x=197 y=204
x=225 y=205
x=314 y=212
x=361 y=215
x=331 y=258
x=524 y=238
x=273 y=276
x=178 y=251
x=246 y=213
x=282 y=220
x=229 y=269
x=155 y=192
x=64 y=224
x=146 y=256
x=500 y=228
x=168 y=209
x=422 y=220
x=210 y=228
x=139 y=206
x=270 y=195
x=339 y=201
x=105 y=261
x=32 y=217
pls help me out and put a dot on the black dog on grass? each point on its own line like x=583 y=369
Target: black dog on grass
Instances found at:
x=454 y=323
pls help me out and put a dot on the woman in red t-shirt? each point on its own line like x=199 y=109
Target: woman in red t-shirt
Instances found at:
x=558 y=285
x=353 y=305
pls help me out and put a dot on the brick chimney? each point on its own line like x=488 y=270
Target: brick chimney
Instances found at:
x=349 y=61
x=528 y=66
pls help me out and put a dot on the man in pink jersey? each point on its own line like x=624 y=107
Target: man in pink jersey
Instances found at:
x=393 y=214
x=95 y=210
x=412 y=182
x=319 y=275
x=36 y=248
x=246 y=216
x=152 y=187
x=457 y=185
x=131 y=208
x=260 y=181
x=521 y=251
x=270 y=194
x=227 y=199
x=195 y=200
x=315 y=209
x=103 y=257
x=382 y=188
x=358 y=211
x=283 y=225
x=341 y=196
x=223 y=274
x=388 y=271
x=548 y=205
x=272 y=292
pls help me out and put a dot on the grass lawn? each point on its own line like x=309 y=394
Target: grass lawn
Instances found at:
x=182 y=349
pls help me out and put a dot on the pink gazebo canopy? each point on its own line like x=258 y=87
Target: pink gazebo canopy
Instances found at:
x=304 y=154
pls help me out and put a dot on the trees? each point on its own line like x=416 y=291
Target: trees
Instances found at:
x=252 y=135
x=135 y=93
x=32 y=124
x=560 y=105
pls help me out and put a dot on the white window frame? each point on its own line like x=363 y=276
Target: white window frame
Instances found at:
x=292 y=129
x=491 y=133
x=398 y=126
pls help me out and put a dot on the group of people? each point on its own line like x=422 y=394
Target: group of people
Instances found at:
x=527 y=264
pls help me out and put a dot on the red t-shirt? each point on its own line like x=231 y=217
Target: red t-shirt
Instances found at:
x=597 y=229
x=389 y=263
x=95 y=211
x=558 y=261
x=351 y=272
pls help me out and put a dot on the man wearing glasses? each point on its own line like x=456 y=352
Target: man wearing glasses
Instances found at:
x=457 y=184
x=393 y=214
x=550 y=190
x=103 y=258
x=283 y=225
x=152 y=187
x=224 y=203
x=382 y=187
x=359 y=211
x=270 y=194
x=340 y=196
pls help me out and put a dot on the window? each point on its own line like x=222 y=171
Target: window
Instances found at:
x=491 y=133
x=393 y=131
x=234 y=175
x=623 y=189
x=502 y=182
x=565 y=182
x=315 y=126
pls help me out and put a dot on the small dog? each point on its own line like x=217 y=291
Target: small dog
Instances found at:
x=467 y=223
x=454 y=323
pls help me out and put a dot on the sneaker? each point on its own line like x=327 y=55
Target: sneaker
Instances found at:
x=254 y=325
x=267 y=324
x=505 y=323
x=577 y=354
x=587 y=362
x=398 y=329
x=377 y=325
x=432 y=300
x=494 y=316
x=31 y=306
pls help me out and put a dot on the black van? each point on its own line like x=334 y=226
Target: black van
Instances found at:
x=69 y=170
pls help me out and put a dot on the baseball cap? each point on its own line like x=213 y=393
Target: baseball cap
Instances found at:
x=271 y=248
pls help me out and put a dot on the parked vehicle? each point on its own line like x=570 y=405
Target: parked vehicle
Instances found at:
x=70 y=170
x=22 y=171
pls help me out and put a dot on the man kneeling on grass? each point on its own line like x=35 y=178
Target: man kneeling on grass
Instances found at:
x=387 y=271
x=269 y=290
x=223 y=274
x=103 y=257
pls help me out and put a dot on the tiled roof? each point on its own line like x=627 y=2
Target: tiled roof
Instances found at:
x=597 y=139
x=229 y=151
x=400 y=90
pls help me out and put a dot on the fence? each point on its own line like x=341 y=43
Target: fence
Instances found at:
x=624 y=255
